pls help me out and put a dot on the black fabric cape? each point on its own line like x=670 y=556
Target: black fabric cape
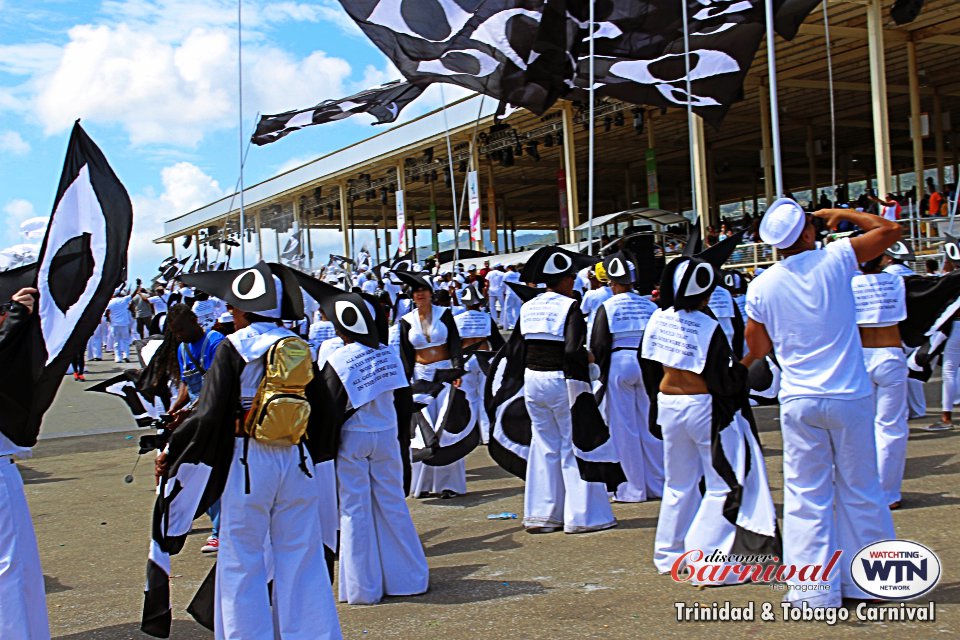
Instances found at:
x=600 y=346
x=510 y=422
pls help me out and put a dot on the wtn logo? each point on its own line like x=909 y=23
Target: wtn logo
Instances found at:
x=902 y=569
x=895 y=569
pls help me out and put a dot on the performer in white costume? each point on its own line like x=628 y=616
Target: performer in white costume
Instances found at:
x=554 y=333
x=23 y=603
x=495 y=292
x=271 y=498
x=802 y=308
x=881 y=303
x=380 y=553
x=430 y=342
x=511 y=303
x=708 y=430
x=615 y=344
x=479 y=332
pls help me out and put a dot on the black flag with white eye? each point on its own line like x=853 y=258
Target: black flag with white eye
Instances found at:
x=901 y=251
x=124 y=386
x=250 y=289
x=82 y=258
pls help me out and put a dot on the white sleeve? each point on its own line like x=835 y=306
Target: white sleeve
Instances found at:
x=753 y=303
x=843 y=254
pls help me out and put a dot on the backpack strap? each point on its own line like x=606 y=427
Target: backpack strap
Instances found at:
x=188 y=353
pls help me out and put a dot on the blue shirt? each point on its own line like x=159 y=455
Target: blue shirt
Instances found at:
x=202 y=351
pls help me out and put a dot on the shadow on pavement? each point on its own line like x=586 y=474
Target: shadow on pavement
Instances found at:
x=448 y=585
x=475 y=497
x=181 y=630
x=493 y=541
x=32 y=476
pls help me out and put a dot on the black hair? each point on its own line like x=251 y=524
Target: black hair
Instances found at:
x=872 y=266
x=179 y=312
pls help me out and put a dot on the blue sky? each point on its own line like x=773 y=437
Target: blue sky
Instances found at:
x=155 y=85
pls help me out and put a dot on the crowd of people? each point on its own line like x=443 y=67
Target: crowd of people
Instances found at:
x=316 y=404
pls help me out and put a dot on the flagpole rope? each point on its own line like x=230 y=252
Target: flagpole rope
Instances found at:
x=774 y=100
x=833 y=114
x=590 y=139
x=690 y=132
x=243 y=244
x=453 y=181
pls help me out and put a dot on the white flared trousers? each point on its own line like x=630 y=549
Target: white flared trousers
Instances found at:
x=627 y=412
x=280 y=518
x=831 y=491
x=887 y=368
x=426 y=478
x=688 y=520
x=380 y=552
x=472 y=384
x=23 y=602
x=121 y=342
x=555 y=494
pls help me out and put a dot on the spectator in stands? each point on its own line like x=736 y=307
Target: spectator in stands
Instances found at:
x=889 y=208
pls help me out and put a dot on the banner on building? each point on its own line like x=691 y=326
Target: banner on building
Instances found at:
x=401 y=224
x=473 y=205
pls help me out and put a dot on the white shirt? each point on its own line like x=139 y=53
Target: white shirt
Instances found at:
x=159 y=304
x=495 y=281
x=807 y=306
x=900 y=270
x=119 y=309
x=369 y=286
x=881 y=299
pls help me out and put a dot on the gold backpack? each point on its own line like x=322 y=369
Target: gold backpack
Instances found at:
x=280 y=411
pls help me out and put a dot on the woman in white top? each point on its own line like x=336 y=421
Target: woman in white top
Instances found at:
x=430 y=342
x=881 y=305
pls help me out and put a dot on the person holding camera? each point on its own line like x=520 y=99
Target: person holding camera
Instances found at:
x=23 y=604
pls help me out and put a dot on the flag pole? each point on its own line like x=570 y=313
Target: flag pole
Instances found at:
x=690 y=125
x=590 y=137
x=243 y=244
x=774 y=101
x=453 y=180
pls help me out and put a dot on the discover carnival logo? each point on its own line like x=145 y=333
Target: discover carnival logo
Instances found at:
x=895 y=569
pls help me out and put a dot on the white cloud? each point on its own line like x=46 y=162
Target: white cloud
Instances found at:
x=16 y=211
x=185 y=187
x=12 y=142
x=161 y=83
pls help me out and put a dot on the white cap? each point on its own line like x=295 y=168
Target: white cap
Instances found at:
x=783 y=223
x=225 y=317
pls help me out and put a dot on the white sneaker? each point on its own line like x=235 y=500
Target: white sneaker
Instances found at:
x=938 y=426
x=212 y=546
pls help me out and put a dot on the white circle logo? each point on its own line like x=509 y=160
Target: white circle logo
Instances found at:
x=557 y=263
x=895 y=569
x=952 y=251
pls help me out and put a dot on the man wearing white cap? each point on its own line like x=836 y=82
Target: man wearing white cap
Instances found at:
x=803 y=309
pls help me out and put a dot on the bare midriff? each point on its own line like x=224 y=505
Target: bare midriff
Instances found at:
x=678 y=382
x=878 y=337
x=469 y=342
x=430 y=355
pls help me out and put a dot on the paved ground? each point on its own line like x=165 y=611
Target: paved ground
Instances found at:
x=488 y=578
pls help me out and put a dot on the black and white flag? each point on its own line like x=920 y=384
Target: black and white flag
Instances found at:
x=384 y=103
x=82 y=259
x=516 y=51
x=640 y=51
x=125 y=386
x=529 y=53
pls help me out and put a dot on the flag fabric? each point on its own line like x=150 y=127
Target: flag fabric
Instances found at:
x=529 y=53
x=384 y=103
x=512 y=50
x=81 y=261
x=640 y=51
x=124 y=386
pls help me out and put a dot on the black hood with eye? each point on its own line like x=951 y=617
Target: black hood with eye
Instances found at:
x=690 y=279
x=347 y=311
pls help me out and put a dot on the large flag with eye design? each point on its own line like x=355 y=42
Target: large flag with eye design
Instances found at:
x=81 y=261
x=529 y=53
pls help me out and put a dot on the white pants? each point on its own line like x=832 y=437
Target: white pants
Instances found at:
x=951 y=361
x=472 y=384
x=887 y=368
x=555 y=494
x=688 y=521
x=916 y=400
x=23 y=603
x=511 y=310
x=496 y=306
x=95 y=344
x=121 y=342
x=627 y=411
x=281 y=514
x=831 y=491
x=380 y=552
x=426 y=478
